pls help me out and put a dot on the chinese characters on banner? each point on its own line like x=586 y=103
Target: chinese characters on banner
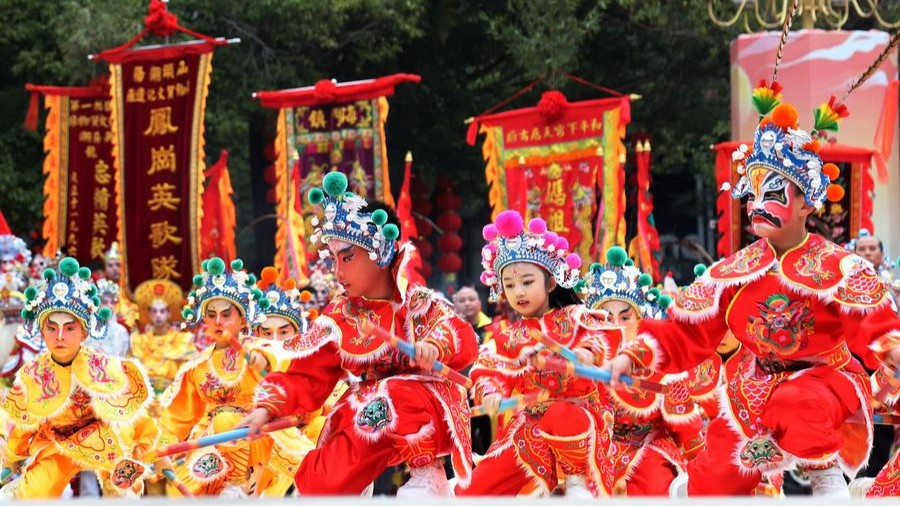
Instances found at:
x=559 y=169
x=321 y=129
x=159 y=101
x=80 y=186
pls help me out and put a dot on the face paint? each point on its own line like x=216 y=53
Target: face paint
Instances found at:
x=771 y=201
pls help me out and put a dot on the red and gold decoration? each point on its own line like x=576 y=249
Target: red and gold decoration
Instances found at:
x=644 y=247
x=80 y=185
x=219 y=217
x=839 y=220
x=556 y=161
x=323 y=128
x=158 y=109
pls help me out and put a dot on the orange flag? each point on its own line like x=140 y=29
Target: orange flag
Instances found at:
x=404 y=204
x=219 y=217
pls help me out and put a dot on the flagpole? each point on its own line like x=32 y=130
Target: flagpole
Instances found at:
x=235 y=40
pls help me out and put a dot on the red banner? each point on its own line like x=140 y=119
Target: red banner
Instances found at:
x=80 y=209
x=557 y=161
x=159 y=102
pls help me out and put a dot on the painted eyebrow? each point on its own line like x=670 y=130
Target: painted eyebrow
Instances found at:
x=624 y=311
x=345 y=250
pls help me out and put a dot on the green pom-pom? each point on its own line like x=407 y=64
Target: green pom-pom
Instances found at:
x=251 y=280
x=315 y=196
x=27 y=315
x=92 y=291
x=215 y=266
x=68 y=266
x=580 y=286
x=198 y=280
x=265 y=304
x=629 y=263
x=104 y=313
x=84 y=273
x=257 y=294
x=898 y=262
x=48 y=274
x=699 y=269
x=186 y=313
x=645 y=279
x=192 y=294
x=30 y=293
x=237 y=264
x=596 y=267
x=653 y=295
x=391 y=232
x=96 y=300
x=616 y=256
x=664 y=301
x=335 y=183
x=204 y=264
x=379 y=217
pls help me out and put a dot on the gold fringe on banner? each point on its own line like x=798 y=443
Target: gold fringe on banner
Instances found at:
x=282 y=177
x=54 y=206
x=118 y=147
x=496 y=188
x=386 y=196
x=198 y=157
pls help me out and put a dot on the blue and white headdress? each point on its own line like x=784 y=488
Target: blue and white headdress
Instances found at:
x=286 y=301
x=509 y=242
x=217 y=282
x=344 y=221
x=620 y=280
x=68 y=290
x=13 y=248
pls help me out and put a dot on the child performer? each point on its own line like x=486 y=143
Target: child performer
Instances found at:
x=799 y=305
x=72 y=407
x=655 y=434
x=571 y=428
x=399 y=412
x=214 y=390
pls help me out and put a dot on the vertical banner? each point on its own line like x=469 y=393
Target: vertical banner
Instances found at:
x=556 y=161
x=80 y=206
x=324 y=128
x=644 y=246
x=158 y=109
x=838 y=221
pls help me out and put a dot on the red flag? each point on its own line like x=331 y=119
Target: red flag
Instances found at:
x=4 y=227
x=218 y=213
x=404 y=204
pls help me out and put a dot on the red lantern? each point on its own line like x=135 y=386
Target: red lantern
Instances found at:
x=450 y=242
x=422 y=206
x=424 y=228
x=269 y=175
x=269 y=152
x=425 y=248
x=450 y=263
x=449 y=221
x=271 y=196
x=448 y=201
x=426 y=269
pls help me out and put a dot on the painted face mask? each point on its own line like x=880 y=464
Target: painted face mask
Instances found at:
x=771 y=200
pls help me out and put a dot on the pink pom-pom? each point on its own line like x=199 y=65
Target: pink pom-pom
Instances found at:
x=537 y=226
x=573 y=261
x=491 y=247
x=562 y=243
x=509 y=223
x=550 y=238
x=484 y=278
x=489 y=232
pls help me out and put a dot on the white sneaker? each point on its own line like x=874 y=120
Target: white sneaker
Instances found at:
x=828 y=483
x=232 y=491
x=368 y=491
x=679 y=486
x=576 y=487
x=860 y=487
x=426 y=481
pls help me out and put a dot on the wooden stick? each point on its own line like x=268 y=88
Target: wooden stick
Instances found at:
x=409 y=350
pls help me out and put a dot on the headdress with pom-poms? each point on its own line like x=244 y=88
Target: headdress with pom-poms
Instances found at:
x=780 y=146
x=218 y=282
x=14 y=249
x=509 y=242
x=620 y=280
x=286 y=300
x=68 y=290
x=343 y=220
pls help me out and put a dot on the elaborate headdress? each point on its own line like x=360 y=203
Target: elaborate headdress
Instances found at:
x=217 y=282
x=161 y=290
x=108 y=288
x=620 y=280
x=345 y=222
x=13 y=248
x=780 y=146
x=112 y=253
x=285 y=301
x=69 y=290
x=509 y=242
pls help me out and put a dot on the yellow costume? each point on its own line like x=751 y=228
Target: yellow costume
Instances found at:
x=88 y=415
x=212 y=393
x=162 y=355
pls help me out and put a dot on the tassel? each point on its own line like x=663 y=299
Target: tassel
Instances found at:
x=31 y=117
x=828 y=115
x=765 y=98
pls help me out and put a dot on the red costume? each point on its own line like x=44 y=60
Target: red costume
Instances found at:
x=571 y=431
x=886 y=386
x=795 y=394
x=397 y=413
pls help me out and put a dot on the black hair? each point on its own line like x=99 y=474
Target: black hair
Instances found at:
x=560 y=297
x=373 y=205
